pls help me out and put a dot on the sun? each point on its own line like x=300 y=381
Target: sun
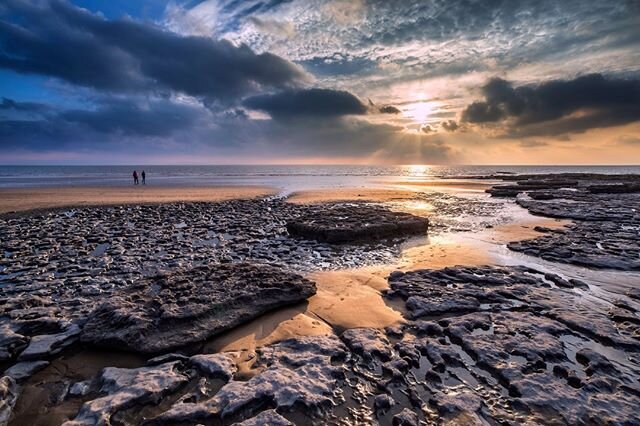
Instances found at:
x=419 y=111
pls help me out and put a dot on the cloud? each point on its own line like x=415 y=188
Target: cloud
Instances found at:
x=105 y=125
x=558 y=106
x=126 y=117
x=629 y=140
x=54 y=38
x=426 y=128
x=307 y=102
x=144 y=128
x=10 y=104
x=276 y=28
x=530 y=143
x=450 y=125
x=389 y=109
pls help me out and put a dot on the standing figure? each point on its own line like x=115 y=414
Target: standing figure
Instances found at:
x=135 y=177
x=144 y=176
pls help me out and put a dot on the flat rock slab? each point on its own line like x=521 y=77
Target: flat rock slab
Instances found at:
x=355 y=222
x=168 y=311
x=605 y=210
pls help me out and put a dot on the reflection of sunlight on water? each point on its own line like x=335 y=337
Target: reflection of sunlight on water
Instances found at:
x=416 y=169
x=417 y=207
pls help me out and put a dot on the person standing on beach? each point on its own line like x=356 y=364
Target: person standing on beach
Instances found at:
x=144 y=176
x=135 y=177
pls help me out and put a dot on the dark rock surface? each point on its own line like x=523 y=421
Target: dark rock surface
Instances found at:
x=299 y=372
x=342 y=224
x=527 y=350
x=605 y=210
x=169 y=311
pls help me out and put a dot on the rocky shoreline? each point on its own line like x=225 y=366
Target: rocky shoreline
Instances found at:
x=478 y=345
x=605 y=214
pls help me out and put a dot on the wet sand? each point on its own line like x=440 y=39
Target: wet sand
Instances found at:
x=388 y=192
x=446 y=185
x=378 y=195
x=345 y=299
x=24 y=199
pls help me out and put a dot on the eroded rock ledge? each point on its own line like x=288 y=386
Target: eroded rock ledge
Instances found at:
x=168 y=311
x=605 y=210
x=344 y=223
x=522 y=347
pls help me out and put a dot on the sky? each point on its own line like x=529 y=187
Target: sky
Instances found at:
x=323 y=81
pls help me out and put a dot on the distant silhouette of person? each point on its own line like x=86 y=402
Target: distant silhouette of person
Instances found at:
x=135 y=177
x=144 y=175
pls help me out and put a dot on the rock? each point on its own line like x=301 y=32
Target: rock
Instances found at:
x=461 y=406
x=11 y=343
x=24 y=370
x=523 y=332
x=188 y=306
x=8 y=398
x=124 y=388
x=215 y=365
x=604 y=209
x=296 y=372
x=383 y=402
x=46 y=345
x=347 y=223
x=268 y=417
x=406 y=418
x=167 y=358
x=368 y=342
x=80 y=388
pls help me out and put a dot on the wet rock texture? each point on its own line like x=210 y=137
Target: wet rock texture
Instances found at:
x=518 y=349
x=342 y=224
x=528 y=351
x=59 y=269
x=182 y=307
x=605 y=211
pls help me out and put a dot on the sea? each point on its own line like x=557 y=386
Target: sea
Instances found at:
x=287 y=177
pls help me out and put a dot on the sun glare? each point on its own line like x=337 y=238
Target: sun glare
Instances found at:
x=419 y=111
x=417 y=169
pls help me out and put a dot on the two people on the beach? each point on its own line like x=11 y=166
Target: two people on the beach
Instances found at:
x=135 y=177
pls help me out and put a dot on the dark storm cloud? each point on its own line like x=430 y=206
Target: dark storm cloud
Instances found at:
x=10 y=104
x=111 y=119
x=56 y=39
x=307 y=103
x=556 y=107
x=156 y=118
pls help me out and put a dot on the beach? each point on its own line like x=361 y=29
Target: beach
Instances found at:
x=416 y=299
x=24 y=199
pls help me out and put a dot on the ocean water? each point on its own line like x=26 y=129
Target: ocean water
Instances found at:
x=289 y=177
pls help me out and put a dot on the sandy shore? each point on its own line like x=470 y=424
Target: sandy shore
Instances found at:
x=23 y=199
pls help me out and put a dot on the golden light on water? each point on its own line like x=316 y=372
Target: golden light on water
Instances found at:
x=417 y=169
